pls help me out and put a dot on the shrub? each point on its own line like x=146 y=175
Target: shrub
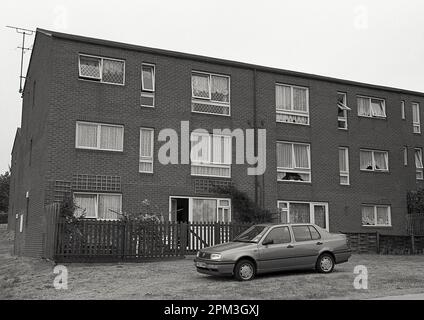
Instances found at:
x=415 y=201
x=3 y=217
x=244 y=209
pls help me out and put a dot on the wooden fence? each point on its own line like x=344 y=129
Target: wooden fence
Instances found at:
x=415 y=224
x=109 y=241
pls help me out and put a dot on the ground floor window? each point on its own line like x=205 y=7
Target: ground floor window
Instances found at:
x=98 y=205
x=304 y=212
x=376 y=215
x=184 y=209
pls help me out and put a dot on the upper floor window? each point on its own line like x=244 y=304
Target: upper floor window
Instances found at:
x=344 y=165
x=147 y=85
x=376 y=215
x=416 y=118
x=373 y=160
x=292 y=104
x=210 y=93
x=371 y=107
x=98 y=136
x=293 y=162
x=146 y=150
x=402 y=110
x=419 y=163
x=210 y=155
x=100 y=69
x=342 y=110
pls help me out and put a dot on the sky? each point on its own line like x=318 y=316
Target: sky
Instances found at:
x=373 y=41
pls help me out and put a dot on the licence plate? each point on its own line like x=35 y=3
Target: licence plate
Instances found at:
x=200 y=264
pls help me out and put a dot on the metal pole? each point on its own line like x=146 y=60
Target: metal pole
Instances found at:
x=22 y=62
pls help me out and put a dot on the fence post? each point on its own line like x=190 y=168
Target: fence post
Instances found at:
x=377 y=236
x=183 y=238
x=217 y=235
x=413 y=243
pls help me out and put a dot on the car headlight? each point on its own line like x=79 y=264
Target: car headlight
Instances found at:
x=198 y=254
x=216 y=256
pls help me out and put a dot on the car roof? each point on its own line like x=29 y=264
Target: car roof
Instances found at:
x=284 y=224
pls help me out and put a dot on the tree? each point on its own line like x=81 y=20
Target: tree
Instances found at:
x=4 y=191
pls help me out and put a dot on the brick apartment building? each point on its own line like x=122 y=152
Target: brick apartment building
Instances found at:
x=339 y=153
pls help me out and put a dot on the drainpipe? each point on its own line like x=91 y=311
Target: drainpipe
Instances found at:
x=255 y=127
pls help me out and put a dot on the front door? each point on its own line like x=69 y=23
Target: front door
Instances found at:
x=278 y=253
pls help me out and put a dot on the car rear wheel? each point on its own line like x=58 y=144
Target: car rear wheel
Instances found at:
x=325 y=263
x=244 y=270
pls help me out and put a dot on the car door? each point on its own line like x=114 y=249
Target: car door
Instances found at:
x=278 y=253
x=307 y=245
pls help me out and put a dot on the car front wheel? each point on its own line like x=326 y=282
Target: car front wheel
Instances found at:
x=244 y=270
x=325 y=263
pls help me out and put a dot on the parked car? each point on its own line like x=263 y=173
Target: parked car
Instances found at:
x=268 y=247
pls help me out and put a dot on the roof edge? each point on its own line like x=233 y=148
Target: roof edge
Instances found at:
x=243 y=65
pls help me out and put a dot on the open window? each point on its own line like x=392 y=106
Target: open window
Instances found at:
x=342 y=110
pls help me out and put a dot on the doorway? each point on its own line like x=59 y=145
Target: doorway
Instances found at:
x=180 y=210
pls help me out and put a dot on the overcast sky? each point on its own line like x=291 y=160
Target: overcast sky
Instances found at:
x=379 y=42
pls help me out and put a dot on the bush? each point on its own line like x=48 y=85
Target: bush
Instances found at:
x=415 y=200
x=244 y=209
x=3 y=217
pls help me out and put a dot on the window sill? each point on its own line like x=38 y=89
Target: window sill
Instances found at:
x=371 y=117
x=374 y=171
x=295 y=123
x=388 y=226
x=296 y=182
x=99 y=150
x=101 y=82
x=210 y=176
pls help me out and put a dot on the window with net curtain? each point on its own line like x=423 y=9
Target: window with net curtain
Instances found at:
x=100 y=136
x=146 y=150
x=371 y=107
x=375 y=215
x=374 y=160
x=300 y=213
x=292 y=104
x=211 y=87
x=102 y=69
x=210 y=155
x=293 y=162
x=98 y=206
x=204 y=210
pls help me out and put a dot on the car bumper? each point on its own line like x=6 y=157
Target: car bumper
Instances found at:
x=216 y=268
x=342 y=256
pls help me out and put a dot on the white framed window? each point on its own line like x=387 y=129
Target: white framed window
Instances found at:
x=371 y=107
x=402 y=110
x=374 y=160
x=293 y=161
x=416 y=118
x=104 y=70
x=148 y=85
x=210 y=155
x=405 y=156
x=101 y=206
x=304 y=212
x=376 y=215
x=342 y=110
x=202 y=209
x=99 y=136
x=292 y=104
x=210 y=93
x=146 y=150
x=344 y=165
x=419 y=163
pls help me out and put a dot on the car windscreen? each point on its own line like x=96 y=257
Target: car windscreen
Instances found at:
x=253 y=234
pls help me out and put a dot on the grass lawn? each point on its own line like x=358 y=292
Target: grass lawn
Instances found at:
x=26 y=278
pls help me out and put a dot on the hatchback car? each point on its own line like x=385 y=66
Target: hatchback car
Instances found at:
x=268 y=247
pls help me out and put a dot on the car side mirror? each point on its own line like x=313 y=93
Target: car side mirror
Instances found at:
x=267 y=242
